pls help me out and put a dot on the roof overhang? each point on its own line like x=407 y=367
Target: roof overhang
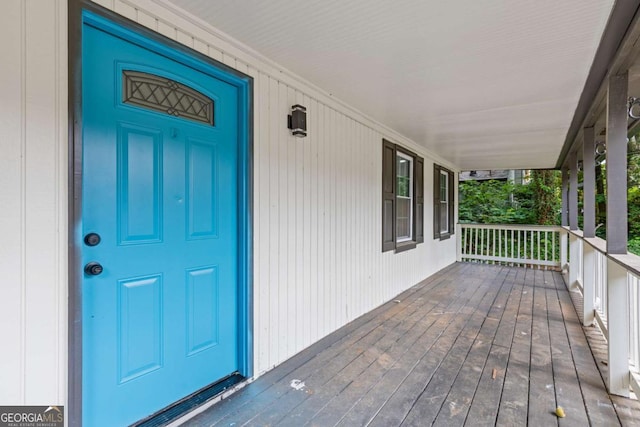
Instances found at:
x=618 y=50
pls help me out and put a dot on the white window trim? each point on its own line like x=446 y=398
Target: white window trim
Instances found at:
x=445 y=175
x=410 y=198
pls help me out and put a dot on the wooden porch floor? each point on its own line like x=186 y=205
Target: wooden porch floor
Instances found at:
x=472 y=345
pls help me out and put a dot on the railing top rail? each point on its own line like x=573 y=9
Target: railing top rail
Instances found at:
x=596 y=243
x=512 y=226
x=631 y=262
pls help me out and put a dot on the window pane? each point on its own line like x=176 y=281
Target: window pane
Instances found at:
x=403 y=177
x=403 y=219
x=444 y=181
x=404 y=197
x=444 y=217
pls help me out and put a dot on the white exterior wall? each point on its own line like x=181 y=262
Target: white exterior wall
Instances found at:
x=317 y=200
x=33 y=202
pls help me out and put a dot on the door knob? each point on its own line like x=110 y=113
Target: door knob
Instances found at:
x=92 y=239
x=93 y=268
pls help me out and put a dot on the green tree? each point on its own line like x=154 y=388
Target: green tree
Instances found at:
x=502 y=202
x=546 y=186
x=495 y=202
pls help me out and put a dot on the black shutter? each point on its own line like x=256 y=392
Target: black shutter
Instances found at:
x=436 y=201
x=388 y=196
x=419 y=199
x=452 y=226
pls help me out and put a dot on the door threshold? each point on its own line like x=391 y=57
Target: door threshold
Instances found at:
x=184 y=408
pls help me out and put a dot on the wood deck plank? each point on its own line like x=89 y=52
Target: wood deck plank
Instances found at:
x=362 y=333
x=371 y=403
x=598 y=404
x=403 y=399
x=514 y=403
x=542 y=399
x=428 y=405
x=324 y=392
x=430 y=359
x=337 y=408
x=567 y=385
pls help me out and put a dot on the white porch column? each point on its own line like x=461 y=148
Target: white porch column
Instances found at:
x=564 y=242
x=589 y=226
x=459 y=243
x=588 y=284
x=573 y=191
x=575 y=252
x=618 y=379
x=564 y=236
x=575 y=261
x=565 y=198
x=617 y=114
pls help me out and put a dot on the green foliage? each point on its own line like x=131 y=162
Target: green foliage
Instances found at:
x=546 y=186
x=489 y=202
x=634 y=246
x=633 y=206
x=502 y=202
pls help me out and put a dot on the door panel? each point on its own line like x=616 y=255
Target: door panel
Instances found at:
x=160 y=187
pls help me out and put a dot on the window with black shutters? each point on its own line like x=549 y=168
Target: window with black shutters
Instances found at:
x=402 y=198
x=443 y=220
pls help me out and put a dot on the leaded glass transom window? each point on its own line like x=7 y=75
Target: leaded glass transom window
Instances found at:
x=166 y=96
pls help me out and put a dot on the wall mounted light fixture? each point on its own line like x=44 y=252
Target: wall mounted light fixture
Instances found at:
x=297 y=121
x=580 y=165
x=601 y=148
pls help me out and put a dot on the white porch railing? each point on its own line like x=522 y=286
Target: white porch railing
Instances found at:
x=521 y=245
x=610 y=284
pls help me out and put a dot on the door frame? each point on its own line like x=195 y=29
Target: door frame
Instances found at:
x=79 y=12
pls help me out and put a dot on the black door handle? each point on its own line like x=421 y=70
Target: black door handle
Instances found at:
x=93 y=268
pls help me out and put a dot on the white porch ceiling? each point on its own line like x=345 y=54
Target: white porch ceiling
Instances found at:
x=486 y=84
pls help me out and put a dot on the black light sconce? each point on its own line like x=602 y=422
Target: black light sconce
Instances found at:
x=297 y=121
x=601 y=148
x=580 y=165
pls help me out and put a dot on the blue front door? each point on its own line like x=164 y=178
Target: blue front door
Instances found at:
x=159 y=227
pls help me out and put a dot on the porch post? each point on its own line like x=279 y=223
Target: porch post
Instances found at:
x=589 y=227
x=589 y=183
x=459 y=243
x=618 y=380
x=575 y=255
x=618 y=377
x=565 y=194
x=564 y=236
x=573 y=191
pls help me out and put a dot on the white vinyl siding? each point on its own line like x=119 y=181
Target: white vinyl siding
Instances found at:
x=317 y=208
x=33 y=202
